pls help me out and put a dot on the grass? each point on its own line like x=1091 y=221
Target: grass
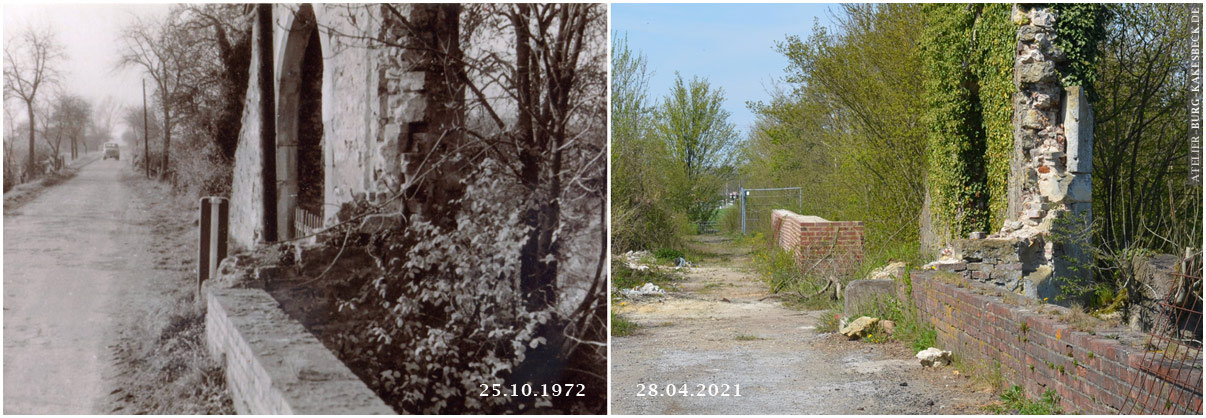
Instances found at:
x=745 y=337
x=164 y=367
x=909 y=328
x=1014 y=401
x=621 y=327
x=830 y=319
x=623 y=277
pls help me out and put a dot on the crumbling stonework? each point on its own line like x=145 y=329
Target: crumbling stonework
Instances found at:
x=1043 y=244
x=379 y=128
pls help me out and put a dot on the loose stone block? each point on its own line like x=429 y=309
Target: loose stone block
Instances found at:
x=1038 y=72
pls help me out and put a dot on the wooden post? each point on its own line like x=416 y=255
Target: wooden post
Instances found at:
x=146 y=149
x=212 y=240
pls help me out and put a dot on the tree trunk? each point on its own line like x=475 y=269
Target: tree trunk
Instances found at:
x=33 y=159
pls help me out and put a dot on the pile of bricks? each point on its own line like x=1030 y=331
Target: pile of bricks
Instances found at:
x=820 y=246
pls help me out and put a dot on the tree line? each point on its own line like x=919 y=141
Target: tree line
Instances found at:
x=902 y=112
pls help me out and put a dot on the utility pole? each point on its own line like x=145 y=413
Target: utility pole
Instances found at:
x=146 y=149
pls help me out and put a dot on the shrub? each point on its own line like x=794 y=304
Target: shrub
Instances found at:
x=444 y=314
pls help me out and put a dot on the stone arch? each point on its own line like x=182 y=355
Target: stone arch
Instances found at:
x=299 y=132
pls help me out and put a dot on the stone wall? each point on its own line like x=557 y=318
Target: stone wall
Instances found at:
x=273 y=365
x=246 y=194
x=820 y=246
x=1092 y=372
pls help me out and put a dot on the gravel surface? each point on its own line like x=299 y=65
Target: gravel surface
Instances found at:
x=782 y=364
x=75 y=259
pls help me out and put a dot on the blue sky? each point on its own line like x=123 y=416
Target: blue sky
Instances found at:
x=732 y=45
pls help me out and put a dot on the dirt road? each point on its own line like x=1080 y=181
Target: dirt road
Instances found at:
x=72 y=259
x=718 y=330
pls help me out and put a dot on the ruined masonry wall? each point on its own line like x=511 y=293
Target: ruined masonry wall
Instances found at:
x=1091 y=373
x=833 y=247
x=350 y=106
x=246 y=206
x=1050 y=184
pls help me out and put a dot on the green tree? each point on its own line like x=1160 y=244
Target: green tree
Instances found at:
x=1142 y=196
x=641 y=219
x=701 y=144
x=846 y=124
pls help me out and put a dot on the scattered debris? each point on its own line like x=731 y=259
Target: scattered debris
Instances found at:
x=647 y=289
x=933 y=357
x=859 y=328
x=632 y=260
x=682 y=262
x=888 y=327
x=890 y=271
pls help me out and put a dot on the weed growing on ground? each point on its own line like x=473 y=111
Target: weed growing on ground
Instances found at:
x=1014 y=401
x=667 y=255
x=778 y=269
x=623 y=277
x=745 y=337
x=620 y=326
x=909 y=328
x=830 y=319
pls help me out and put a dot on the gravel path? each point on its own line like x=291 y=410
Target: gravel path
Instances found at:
x=781 y=363
x=72 y=258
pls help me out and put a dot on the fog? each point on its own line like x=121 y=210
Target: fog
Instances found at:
x=89 y=35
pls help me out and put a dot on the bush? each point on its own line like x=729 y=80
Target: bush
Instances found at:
x=443 y=315
x=668 y=254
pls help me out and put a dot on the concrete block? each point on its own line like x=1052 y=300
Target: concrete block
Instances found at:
x=1078 y=130
x=1080 y=188
x=862 y=296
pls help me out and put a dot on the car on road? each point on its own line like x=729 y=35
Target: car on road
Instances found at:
x=112 y=151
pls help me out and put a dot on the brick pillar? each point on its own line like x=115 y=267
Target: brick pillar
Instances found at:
x=422 y=112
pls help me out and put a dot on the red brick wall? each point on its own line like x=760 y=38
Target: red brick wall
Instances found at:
x=986 y=329
x=820 y=246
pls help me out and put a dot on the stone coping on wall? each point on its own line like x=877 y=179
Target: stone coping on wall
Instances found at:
x=1091 y=372
x=274 y=365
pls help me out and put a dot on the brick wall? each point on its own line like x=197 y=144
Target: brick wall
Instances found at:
x=1091 y=373
x=820 y=246
x=273 y=365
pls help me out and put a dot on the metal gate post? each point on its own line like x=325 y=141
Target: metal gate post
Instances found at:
x=214 y=229
x=741 y=198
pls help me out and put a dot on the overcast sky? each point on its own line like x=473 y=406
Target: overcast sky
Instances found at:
x=732 y=45
x=88 y=33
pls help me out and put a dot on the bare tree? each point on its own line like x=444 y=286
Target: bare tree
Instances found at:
x=157 y=48
x=104 y=118
x=29 y=65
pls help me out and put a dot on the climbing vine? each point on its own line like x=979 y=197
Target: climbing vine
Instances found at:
x=967 y=52
x=1079 y=29
x=994 y=47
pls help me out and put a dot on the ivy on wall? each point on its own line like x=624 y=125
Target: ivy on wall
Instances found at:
x=967 y=54
x=1079 y=29
x=994 y=49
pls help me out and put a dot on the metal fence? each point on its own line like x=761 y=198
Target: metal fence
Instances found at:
x=757 y=204
x=1169 y=380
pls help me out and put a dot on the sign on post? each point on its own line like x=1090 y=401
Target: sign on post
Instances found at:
x=214 y=228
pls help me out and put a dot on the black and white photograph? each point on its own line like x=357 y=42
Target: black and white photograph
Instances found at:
x=305 y=208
